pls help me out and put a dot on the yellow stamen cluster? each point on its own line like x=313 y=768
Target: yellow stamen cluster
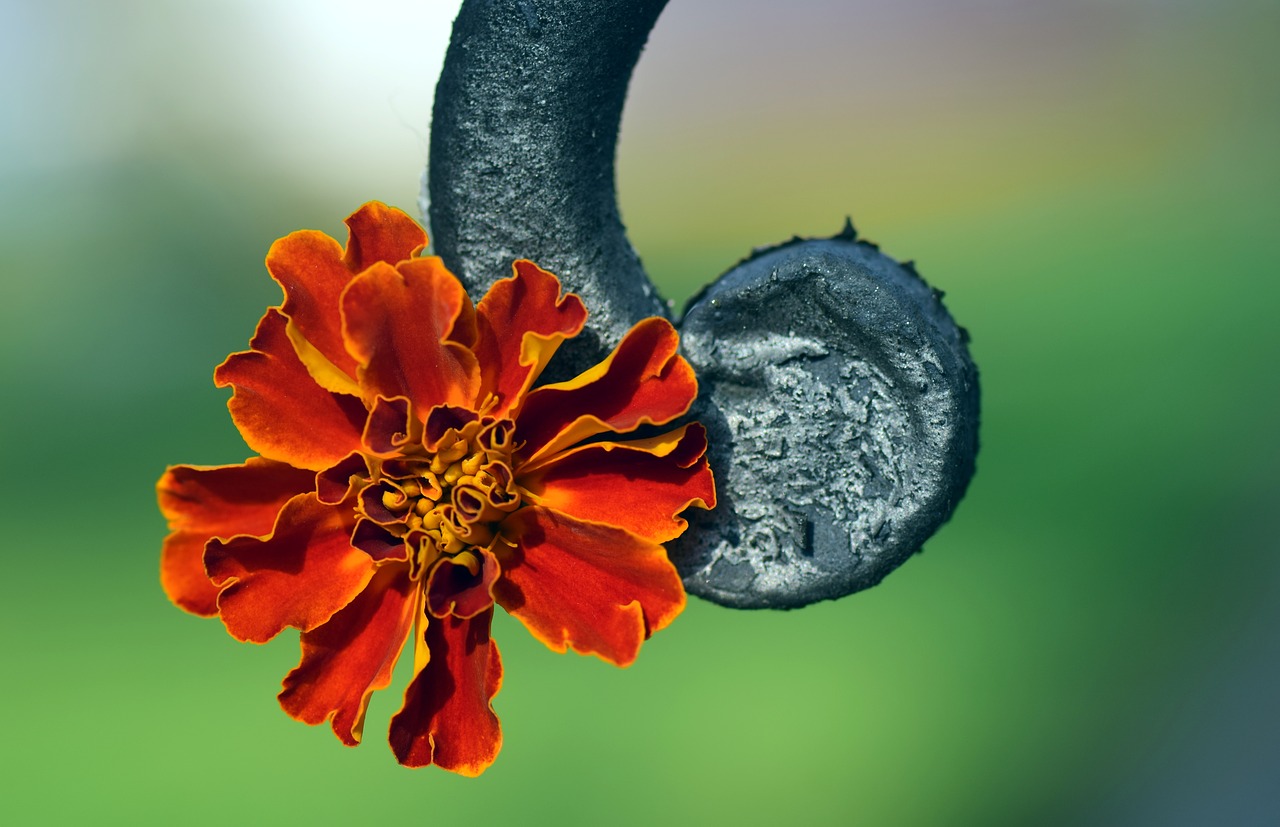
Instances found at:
x=446 y=498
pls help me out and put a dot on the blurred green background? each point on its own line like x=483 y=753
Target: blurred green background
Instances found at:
x=1094 y=639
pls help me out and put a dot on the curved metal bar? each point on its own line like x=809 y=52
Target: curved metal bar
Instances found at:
x=523 y=138
x=838 y=391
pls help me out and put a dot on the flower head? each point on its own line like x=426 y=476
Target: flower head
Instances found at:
x=411 y=475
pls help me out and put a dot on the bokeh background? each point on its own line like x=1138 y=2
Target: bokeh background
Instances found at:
x=1094 y=639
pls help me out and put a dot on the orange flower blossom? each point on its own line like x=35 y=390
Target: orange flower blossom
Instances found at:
x=411 y=476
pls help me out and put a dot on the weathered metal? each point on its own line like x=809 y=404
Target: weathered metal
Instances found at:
x=839 y=395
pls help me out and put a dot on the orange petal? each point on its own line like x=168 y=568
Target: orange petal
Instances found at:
x=397 y=322
x=641 y=486
x=313 y=271
x=598 y=589
x=336 y=483
x=452 y=589
x=308 y=266
x=381 y=233
x=352 y=655
x=377 y=542
x=280 y=411
x=299 y=575
x=642 y=382
x=390 y=426
x=447 y=718
x=201 y=503
x=521 y=322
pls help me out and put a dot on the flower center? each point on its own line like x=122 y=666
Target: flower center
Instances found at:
x=446 y=498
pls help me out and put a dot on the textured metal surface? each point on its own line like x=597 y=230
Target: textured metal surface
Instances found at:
x=523 y=138
x=839 y=395
x=842 y=410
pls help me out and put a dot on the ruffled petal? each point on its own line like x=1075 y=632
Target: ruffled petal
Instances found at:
x=280 y=411
x=598 y=589
x=201 y=503
x=378 y=543
x=642 y=382
x=462 y=586
x=521 y=322
x=390 y=427
x=183 y=576
x=300 y=575
x=336 y=483
x=313 y=271
x=447 y=718
x=381 y=233
x=641 y=486
x=397 y=322
x=353 y=655
x=308 y=266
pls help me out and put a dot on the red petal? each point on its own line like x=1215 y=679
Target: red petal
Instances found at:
x=389 y=426
x=336 y=483
x=596 y=588
x=378 y=543
x=308 y=266
x=642 y=382
x=313 y=271
x=280 y=411
x=447 y=718
x=521 y=322
x=453 y=590
x=201 y=503
x=299 y=575
x=353 y=655
x=441 y=419
x=397 y=321
x=183 y=576
x=381 y=233
x=640 y=486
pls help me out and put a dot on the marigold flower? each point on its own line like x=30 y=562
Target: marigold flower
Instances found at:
x=411 y=476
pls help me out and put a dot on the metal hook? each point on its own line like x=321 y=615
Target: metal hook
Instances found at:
x=839 y=394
